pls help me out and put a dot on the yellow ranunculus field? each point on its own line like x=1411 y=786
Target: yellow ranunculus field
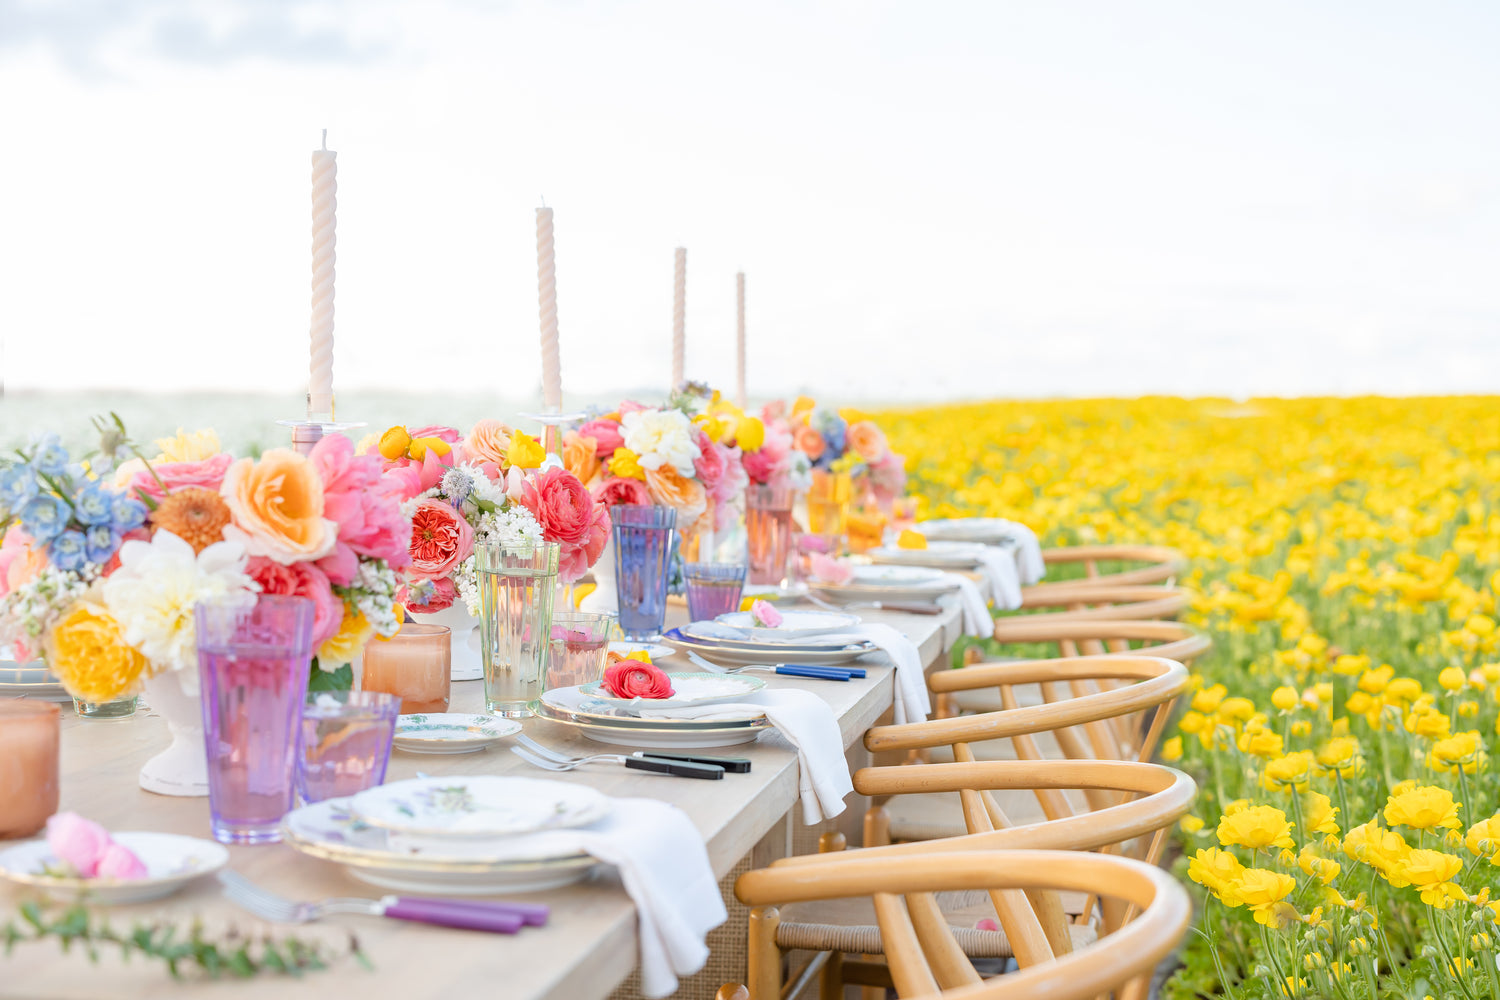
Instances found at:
x=1345 y=553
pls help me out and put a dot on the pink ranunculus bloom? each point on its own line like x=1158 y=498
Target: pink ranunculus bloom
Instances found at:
x=773 y=462
x=606 y=433
x=616 y=491
x=830 y=570
x=631 y=406
x=301 y=580
x=569 y=515
x=207 y=474
x=120 y=862
x=773 y=411
x=440 y=597
x=443 y=433
x=364 y=503
x=764 y=614
x=730 y=485
x=709 y=465
x=888 y=478
x=78 y=842
x=440 y=539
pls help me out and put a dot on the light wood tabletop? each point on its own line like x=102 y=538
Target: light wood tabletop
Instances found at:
x=585 y=951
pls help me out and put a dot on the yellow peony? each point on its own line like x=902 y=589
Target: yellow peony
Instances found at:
x=1255 y=827
x=277 y=505
x=1422 y=808
x=88 y=653
x=345 y=644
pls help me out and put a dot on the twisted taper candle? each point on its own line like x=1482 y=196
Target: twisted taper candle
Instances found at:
x=679 y=317
x=739 y=340
x=324 y=206
x=546 y=279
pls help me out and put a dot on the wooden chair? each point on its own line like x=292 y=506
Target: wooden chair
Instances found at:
x=925 y=956
x=1132 y=602
x=1163 y=565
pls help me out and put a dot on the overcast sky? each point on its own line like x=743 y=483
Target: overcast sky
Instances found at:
x=930 y=199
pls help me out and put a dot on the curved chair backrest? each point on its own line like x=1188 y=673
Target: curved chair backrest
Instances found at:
x=1106 y=602
x=926 y=962
x=1093 y=636
x=1163 y=564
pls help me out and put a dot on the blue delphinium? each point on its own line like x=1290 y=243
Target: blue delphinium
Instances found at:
x=69 y=550
x=50 y=458
x=94 y=505
x=835 y=436
x=100 y=543
x=44 y=518
x=17 y=487
x=126 y=514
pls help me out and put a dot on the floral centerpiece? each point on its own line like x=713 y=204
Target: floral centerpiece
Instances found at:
x=103 y=561
x=841 y=441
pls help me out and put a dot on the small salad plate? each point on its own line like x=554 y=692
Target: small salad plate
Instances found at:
x=688 y=689
x=794 y=624
x=655 y=650
x=171 y=860
x=451 y=732
x=948 y=555
x=481 y=805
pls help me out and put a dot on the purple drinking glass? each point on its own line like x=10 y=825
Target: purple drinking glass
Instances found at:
x=643 y=555
x=713 y=589
x=345 y=742
x=253 y=659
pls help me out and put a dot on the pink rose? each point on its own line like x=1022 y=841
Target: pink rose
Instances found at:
x=207 y=474
x=120 y=862
x=606 y=433
x=568 y=514
x=438 y=595
x=78 y=842
x=617 y=491
x=830 y=570
x=440 y=539
x=301 y=580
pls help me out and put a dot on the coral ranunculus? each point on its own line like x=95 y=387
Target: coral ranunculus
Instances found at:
x=634 y=679
x=808 y=441
x=301 y=580
x=440 y=539
x=569 y=515
x=616 y=491
x=88 y=652
x=277 y=505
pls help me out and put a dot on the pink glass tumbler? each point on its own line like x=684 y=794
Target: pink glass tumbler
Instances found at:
x=253 y=661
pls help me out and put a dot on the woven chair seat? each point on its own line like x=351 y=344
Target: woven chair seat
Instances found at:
x=848 y=925
x=937 y=815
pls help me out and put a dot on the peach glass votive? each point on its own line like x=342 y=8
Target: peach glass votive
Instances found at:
x=28 y=765
x=413 y=665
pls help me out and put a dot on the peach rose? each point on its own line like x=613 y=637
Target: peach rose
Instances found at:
x=686 y=496
x=808 y=441
x=277 y=505
x=867 y=441
x=581 y=457
x=489 y=441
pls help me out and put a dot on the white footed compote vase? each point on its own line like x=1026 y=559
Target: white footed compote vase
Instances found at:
x=182 y=768
x=467 y=661
x=604 y=599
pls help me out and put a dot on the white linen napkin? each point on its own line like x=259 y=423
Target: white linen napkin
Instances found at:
x=664 y=866
x=808 y=723
x=1032 y=567
x=977 y=619
x=912 y=702
x=999 y=568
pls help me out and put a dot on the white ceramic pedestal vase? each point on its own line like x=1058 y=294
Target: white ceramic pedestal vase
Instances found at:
x=182 y=768
x=467 y=663
x=605 y=599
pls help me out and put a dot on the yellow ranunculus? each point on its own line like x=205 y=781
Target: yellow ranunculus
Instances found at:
x=1374 y=681
x=1217 y=871
x=1452 y=679
x=750 y=435
x=1431 y=724
x=1480 y=625
x=1260 y=742
x=1325 y=870
x=1430 y=872
x=1256 y=827
x=1422 y=808
x=1459 y=750
x=526 y=452
x=626 y=464
x=1261 y=890
x=1208 y=699
x=345 y=644
x=1292 y=769
x=1318 y=814
x=393 y=443
x=1236 y=709
x=1341 y=754
x=1483 y=838
x=419 y=447
x=1171 y=750
x=1190 y=823
x=1284 y=698
x=185 y=447
x=1379 y=848
x=88 y=653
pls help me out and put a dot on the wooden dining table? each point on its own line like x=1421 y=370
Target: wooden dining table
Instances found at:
x=585 y=951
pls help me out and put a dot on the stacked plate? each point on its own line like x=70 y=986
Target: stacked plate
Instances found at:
x=464 y=835
x=890 y=583
x=987 y=530
x=815 y=638
x=29 y=680
x=942 y=555
x=650 y=723
x=451 y=732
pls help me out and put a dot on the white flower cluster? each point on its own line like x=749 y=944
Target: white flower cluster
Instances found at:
x=373 y=593
x=33 y=607
x=512 y=525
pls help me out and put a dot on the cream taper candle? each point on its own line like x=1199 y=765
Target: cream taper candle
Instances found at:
x=546 y=279
x=679 y=317
x=739 y=340
x=324 y=224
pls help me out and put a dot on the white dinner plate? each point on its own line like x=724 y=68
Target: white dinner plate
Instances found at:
x=794 y=624
x=481 y=806
x=171 y=860
x=688 y=689
x=327 y=830
x=945 y=555
x=451 y=732
x=656 y=650
x=571 y=702
x=890 y=583
x=667 y=737
x=737 y=654
x=989 y=530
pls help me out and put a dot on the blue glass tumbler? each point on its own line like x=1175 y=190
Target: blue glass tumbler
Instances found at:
x=643 y=550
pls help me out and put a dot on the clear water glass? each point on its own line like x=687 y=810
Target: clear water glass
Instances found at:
x=768 y=529
x=713 y=589
x=580 y=645
x=345 y=742
x=643 y=550
x=516 y=587
x=253 y=663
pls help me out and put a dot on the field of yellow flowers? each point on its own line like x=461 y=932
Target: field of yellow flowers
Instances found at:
x=1342 y=732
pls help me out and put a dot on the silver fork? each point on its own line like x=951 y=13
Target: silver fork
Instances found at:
x=551 y=760
x=503 y=918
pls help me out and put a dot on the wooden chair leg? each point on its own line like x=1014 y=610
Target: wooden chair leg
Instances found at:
x=831 y=977
x=831 y=841
x=877 y=827
x=763 y=964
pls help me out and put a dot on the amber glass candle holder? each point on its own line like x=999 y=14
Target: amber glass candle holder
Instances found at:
x=414 y=665
x=28 y=765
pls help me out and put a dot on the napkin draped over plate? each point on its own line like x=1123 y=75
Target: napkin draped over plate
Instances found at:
x=977 y=619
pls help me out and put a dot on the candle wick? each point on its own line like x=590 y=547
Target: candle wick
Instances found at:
x=325 y=140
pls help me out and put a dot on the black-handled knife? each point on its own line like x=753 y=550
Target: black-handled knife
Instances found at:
x=734 y=765
x=677 y=768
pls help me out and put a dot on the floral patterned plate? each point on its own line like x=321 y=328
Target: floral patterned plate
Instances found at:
x=451 y=732
x=171 y=861
x=481 y=805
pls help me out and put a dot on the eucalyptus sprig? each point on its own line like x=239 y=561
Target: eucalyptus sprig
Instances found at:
x=231 y=953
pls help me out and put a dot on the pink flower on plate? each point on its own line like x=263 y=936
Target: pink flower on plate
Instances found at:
x=207 y=474
x=77 y=842
x=568 y=514
x=440 y=539
x=364 y=503
x=765 y=614
x=607 y=435
x=119 y=861
x=301 y=580
x=830 y=570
